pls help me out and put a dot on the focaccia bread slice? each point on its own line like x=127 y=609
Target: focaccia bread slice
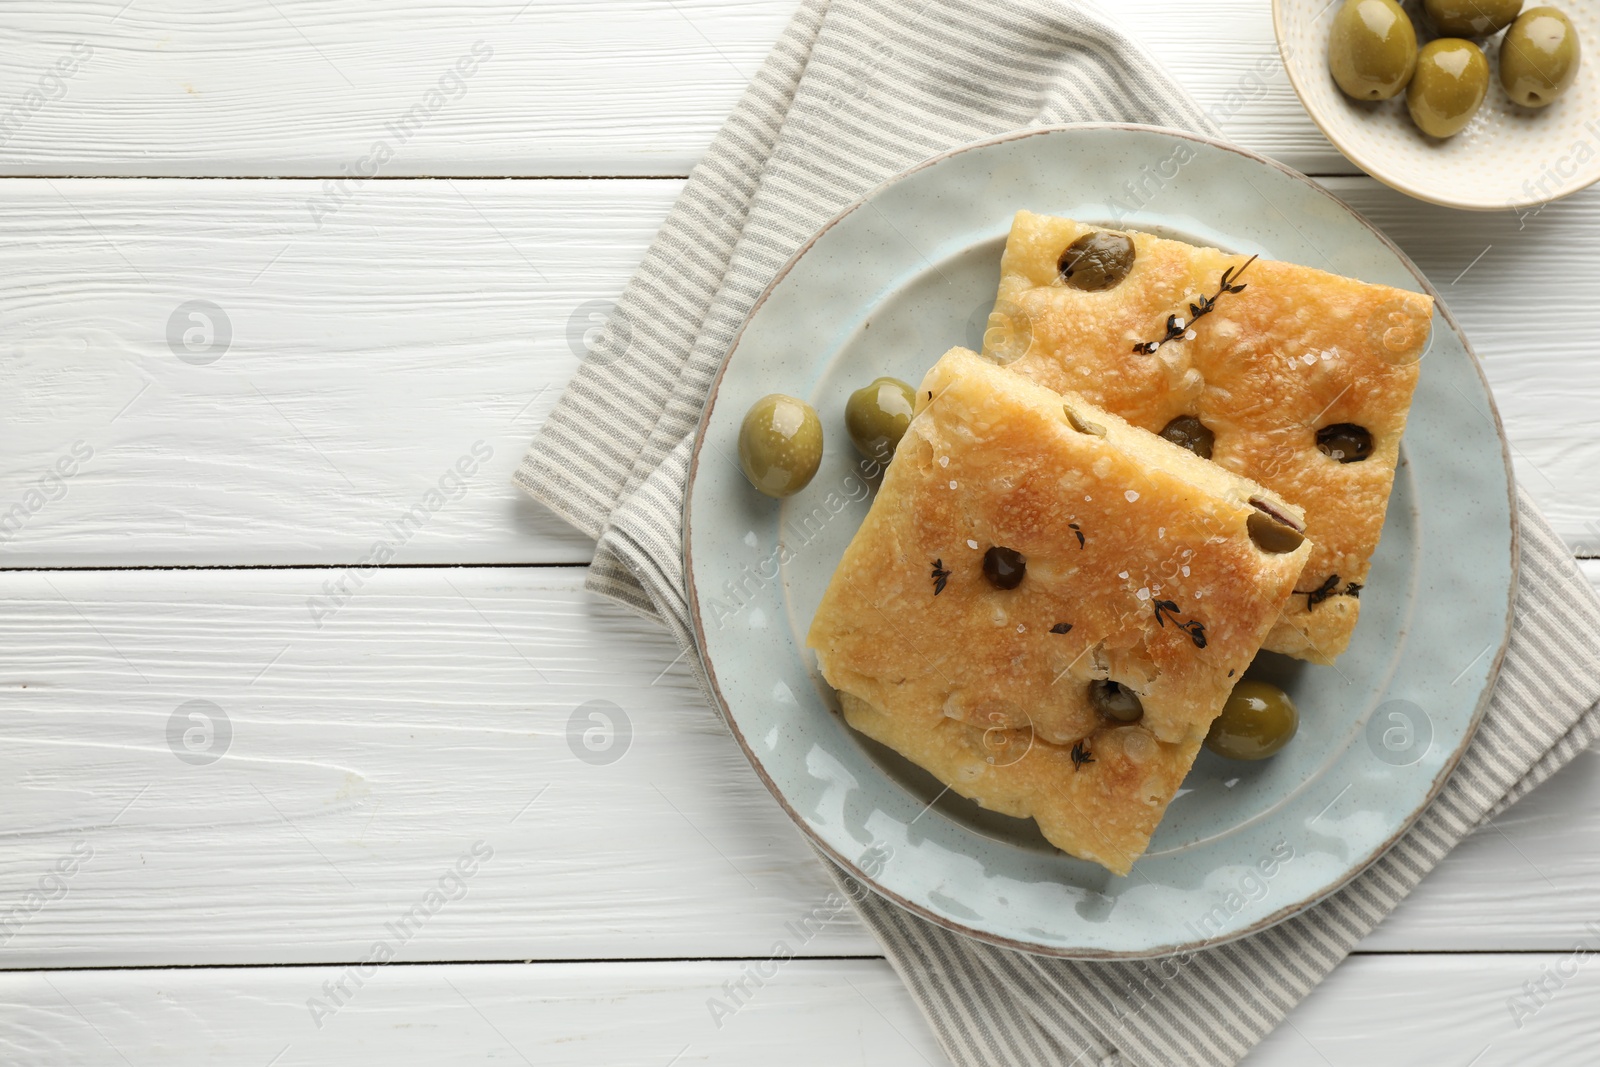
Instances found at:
x=1278 y=355
x=1139 y=566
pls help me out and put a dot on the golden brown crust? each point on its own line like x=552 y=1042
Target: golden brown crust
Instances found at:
x=1297 y=350
x=1165 y=592
x=1103 y=811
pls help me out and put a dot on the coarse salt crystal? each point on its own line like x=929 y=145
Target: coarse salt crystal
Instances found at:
x=971 y=543
x=1132 y=495
x=944 y=461
x=1122 y=574
x=1186 y=571
x=1143 y=594
x=952 y=485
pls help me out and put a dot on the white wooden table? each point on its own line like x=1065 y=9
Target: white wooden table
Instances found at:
x=188 y=507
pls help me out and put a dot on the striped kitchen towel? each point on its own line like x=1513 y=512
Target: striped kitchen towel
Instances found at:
x=854 y=92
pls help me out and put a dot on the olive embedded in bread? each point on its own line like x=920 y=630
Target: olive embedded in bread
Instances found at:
x=1004 y=567
x=1271 y=536
x=1115 y=701
x=780 y=444
x=1188 y=432
x=1097 y=261
x=1345 y=442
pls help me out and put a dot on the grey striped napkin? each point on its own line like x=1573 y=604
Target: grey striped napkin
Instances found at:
x=855 y=91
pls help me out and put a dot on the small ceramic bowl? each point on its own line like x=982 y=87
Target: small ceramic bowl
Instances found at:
x=1508 y=157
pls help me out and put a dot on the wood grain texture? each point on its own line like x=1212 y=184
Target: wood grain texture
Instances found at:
x=368 y=356
x=1396 y=1009
x=800 y=1013
x=442 y=707
x=281 y=88
x=310 y=87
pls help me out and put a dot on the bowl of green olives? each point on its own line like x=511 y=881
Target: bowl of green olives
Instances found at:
x=1483 y=105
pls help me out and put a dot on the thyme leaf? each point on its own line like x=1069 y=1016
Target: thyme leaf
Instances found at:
x=940 y=576
x=1061 y=628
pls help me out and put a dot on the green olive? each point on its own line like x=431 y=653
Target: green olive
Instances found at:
x=1081 y=424
x=1451 y=81
x=1539 y=57
x=877 y=415
x=1115 y=701
x=1372 y=49
x=1471 y=18
x=1188 y=432
x=1271 y=535
x=1257 y=721
x=1097 y=261
x=780 y=444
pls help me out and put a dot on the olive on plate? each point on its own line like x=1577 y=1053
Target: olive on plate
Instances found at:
x=1256 y=722
x=780 y=444
x=876 y=417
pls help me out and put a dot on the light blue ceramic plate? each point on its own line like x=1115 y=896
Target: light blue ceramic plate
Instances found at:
x=886 y=288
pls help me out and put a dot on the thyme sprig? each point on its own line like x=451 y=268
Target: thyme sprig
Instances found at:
x=1167 y=609
x=1176 y=327
x=940 y=576
x=1080 y=756
x=1328 y=588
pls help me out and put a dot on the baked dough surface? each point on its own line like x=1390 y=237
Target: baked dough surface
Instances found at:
x=988 y=688
x=1297 y=350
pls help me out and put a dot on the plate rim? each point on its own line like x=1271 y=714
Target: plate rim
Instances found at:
x=714 y=690
x=1364 y=161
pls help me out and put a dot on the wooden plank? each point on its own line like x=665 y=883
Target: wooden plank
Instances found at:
x=369 y=357
x=337 y=379
x=441 y=707
x=798 y=1013
x=309 y=88
x=1372 y=1010
x=360 y=758
x=1468 y=1010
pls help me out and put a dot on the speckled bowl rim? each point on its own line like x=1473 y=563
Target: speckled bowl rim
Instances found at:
x=1373 y=167
x=1448 y=766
